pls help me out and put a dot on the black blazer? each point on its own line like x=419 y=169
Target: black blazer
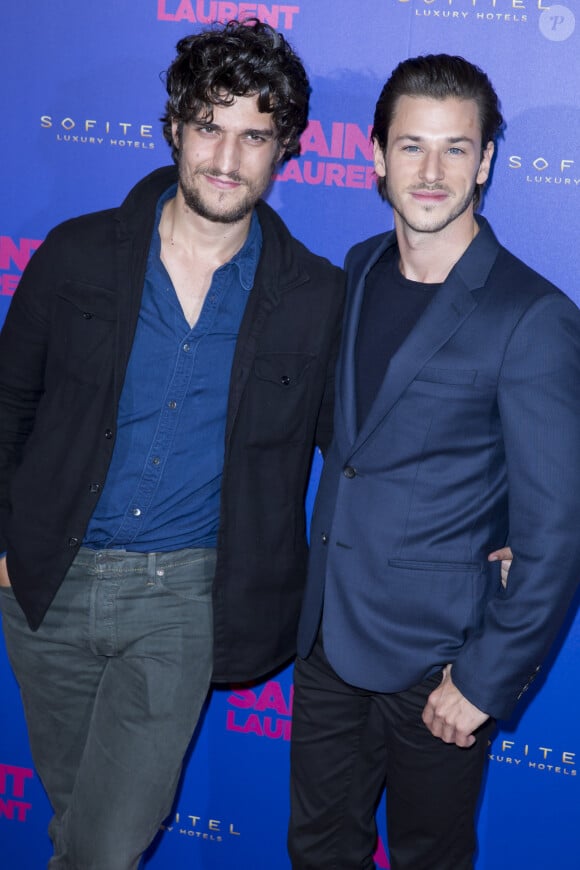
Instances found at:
x=63 y=354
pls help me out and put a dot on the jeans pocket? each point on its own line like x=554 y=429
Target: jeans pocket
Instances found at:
x=190 y=579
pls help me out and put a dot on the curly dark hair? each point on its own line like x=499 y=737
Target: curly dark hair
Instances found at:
x=438 y=76
x=238 y=59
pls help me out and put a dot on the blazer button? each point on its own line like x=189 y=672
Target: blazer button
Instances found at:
x=285 y=380
x=73 y=542
x=95 y=487
x=108 y=433
x=349 y=472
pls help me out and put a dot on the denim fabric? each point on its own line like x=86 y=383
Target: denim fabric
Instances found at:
x=112 y=684
x=162 y=490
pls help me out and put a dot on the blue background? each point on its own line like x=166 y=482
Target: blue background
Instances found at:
x=64 y=64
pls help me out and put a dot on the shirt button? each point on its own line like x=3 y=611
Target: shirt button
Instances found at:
x=324 y=538
x=108 y=433
x=155 y=460
x=349 y=472
x=172 y=405
x=136 y=512
x=186 y=348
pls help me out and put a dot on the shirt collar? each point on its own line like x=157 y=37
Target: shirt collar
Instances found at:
x=246 y=259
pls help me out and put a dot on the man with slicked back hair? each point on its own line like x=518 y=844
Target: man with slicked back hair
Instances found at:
x=456 y=430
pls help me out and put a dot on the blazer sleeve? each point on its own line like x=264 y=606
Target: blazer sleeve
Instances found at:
x=539 y=407
x=23 y=347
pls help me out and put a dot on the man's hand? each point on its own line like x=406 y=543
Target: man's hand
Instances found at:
x=450 y=716
x=506 y=556
x=4 y=579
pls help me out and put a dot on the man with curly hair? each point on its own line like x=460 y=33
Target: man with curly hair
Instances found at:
x=165 y=372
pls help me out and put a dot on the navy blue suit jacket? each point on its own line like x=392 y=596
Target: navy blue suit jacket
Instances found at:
x=473 y=440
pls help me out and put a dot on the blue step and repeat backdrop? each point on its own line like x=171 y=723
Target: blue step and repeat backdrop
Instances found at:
x=81 y=94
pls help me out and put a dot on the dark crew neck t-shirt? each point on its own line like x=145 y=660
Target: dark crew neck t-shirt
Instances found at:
x=391 y=307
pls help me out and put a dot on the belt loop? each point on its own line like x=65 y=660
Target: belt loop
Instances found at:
x=151 y=562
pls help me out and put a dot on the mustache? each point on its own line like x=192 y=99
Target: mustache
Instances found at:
x=214 y=172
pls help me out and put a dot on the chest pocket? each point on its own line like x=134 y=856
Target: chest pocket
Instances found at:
x=433 y=382
x=277 y=399
x=459 y=377
x=286 y=370
x=84 y=331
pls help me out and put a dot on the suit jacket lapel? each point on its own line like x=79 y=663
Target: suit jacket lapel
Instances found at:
x=346 y=380
x=451 y=305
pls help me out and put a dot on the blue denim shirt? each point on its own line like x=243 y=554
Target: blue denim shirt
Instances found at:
x=162 y=490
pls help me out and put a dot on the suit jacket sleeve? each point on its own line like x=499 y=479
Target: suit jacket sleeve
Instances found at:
x=539 y=407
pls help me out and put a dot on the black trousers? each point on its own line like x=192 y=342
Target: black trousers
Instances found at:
x=347 y=743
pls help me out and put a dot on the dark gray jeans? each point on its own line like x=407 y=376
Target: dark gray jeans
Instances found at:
x=112 y=685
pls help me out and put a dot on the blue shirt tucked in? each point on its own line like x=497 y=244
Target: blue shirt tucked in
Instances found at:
x=162 y=490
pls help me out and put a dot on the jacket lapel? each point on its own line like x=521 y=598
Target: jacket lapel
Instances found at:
x=346 y=379
x=276 y=273
x=451 y=305
x=135 y=225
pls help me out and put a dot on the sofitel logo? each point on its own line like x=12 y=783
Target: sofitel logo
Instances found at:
x=207 y=11
x=90 y=131
x=559 y=171
x=542 y=758
x=12 y=786
x=200 y=828
x=14 y=254
x=505 y=11
x=485 y=5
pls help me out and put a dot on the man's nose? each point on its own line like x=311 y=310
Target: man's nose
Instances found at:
x=227 y=155
x=432 y=167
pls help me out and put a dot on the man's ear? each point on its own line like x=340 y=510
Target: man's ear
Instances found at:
x=379 y=158
x=485 y=164
x=175 y=131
